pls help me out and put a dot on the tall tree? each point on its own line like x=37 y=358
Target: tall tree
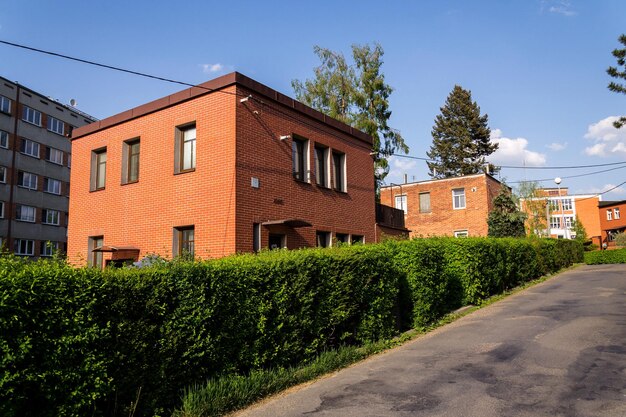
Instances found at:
x=461 y=137
x=357 y=95
x=505 y=220
x=620 y=55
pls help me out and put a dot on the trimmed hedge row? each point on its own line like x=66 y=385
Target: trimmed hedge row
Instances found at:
x=84 y=341
x=615 y=256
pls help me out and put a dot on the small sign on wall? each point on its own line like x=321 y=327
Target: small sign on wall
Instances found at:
x=254 y=182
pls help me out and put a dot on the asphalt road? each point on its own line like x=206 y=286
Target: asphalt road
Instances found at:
x=557 y=349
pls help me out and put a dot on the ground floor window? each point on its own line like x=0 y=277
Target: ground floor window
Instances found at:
x=95 y=258
x=322 y=239
x=184 y=241
x=342 y=238
x=356 y=239
x=277 y=241
x=461 y=233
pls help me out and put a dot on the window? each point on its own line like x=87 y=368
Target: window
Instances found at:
x=323 y=239
x=29 y=147
x=4 y=139
x=555 y=222
x=69 y=160
x=3 y=174
x=461 y=233
x=54 y=156
x=256 y=237
x=400 y=203
x=339 y=171
x=569 y=220
x=342 y=238
x=424 y=202
x=458 y=198
x=56 y=126
x=616 y=213
x=321 y=166
x=27 y=180
x=185 y=154
x=184 y=241
x=609 y=215
x=566 y=203
x=357 y=239
x=25 y=213
x=24 y=247
x=98 y=169
x=1 y=213
x=48 y=248
x=277 y=241
x=553 y=205
x=52 y=186
x=130 y=161
x=50 y=217
x=5 y=105
x=300 y=158
x=31 y=116
x=95 y=258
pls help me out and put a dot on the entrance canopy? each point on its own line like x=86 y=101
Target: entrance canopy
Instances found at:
x=294 y=223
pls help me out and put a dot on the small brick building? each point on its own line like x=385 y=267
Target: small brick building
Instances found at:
x=228 y=166
x=611 y=220
x=456 y=206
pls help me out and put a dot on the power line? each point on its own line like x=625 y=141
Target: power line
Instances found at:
x=568 y=176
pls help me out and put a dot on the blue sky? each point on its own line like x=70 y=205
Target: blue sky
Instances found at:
x=536 y=67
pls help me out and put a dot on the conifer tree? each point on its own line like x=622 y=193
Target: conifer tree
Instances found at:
x=620 y=55
x=505 y=220
x=461 y=138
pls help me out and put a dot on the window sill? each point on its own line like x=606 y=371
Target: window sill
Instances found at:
x=24 y=221
x=31 y=123
x=27 y=188
x=302 y=181
x=185 y=171
x=97 y=189
x=129 y=182
x=51 y=224
x=55 y=163
x=56 y=133
x=32 y=156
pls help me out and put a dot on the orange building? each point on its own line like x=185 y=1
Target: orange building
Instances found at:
x=456 y=206
x=228 y=166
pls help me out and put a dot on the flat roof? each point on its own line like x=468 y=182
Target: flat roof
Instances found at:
x=442 y=180
x=212 y=86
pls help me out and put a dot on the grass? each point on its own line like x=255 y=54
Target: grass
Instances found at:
x=229 y=393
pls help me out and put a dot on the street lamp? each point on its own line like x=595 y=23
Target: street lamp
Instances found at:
x=557 y=180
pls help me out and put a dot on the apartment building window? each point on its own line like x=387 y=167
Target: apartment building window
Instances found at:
x=95 y=258
x=555 y=222
x=458 y=198
x=98 y=169
x=400 y=203
x=54 y=155
x=184 y=241
x=5 y=105
x=24 y=247
x=185 y=150
x=342 y=238
x=321 y=166
x=461 y=233
x=323 y=239
x=609 y=215
x=31 y=116
x=3 y=174
x=56 y=126
x=424 y=202
x=569 y=220
x=616 y=213
x=52 y=217
x=130 y=161
x=1 y=212
x=52 y=186
x=4 y=139
x=48 y=248
x=300 y=158
x=357 y=239
x=27 y=180
x=30 y=148
x=339 y=171
x=553 y=205
x=25 y=213
x=567 y=203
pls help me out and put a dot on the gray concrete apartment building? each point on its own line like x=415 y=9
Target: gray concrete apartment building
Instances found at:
x=35 y=160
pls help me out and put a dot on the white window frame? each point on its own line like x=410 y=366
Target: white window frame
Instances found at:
x=48 y=248
x=400 y=203
x=56 y=126
x=188 y=147
x=342 y=184
x=25 y=213
x=5 y=105
x=616 y=213
x=458 y=197
x=303 y=173
x=461 y=233
x=4 y=139
x=30 y=148
x=566 y=203
x=55 y=156
x=31 y=183
x=28 y=244
x=609 y=214
x=51 y=217
x=32 y=116
x=555 y=222
x=52 y=186
x=569 y=221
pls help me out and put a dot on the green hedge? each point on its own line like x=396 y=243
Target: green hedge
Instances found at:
x=90 y=342
x=614 y=256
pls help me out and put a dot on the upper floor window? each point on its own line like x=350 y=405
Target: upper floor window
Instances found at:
x=424 y=202
x=31 y=115
x=5 y=105
x=321 y=166
x=56 y=126
x=25 y=213
x=609 y=215
x=339 y=171
x=566 y=203
x=29 y=147
x=616 y=213
x=52 y=217
x=185 y=148
x=458 y=198
x=130 y=161
x=4 y=139
x=555 y=222
x=24 y=247
x=3 y=174
x=54 y=155
x=300 y=158
x=1 y=213
x=52 y=186
x=98 y=169
x=553 y=205
x=400 y=203
x=27 y=180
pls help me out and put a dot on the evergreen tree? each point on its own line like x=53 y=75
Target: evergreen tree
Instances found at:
x=620 y=55
x=505 y=220
x=579 y=229
x=461 y=138
x=356 y=95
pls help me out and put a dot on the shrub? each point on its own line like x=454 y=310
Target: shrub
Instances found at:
x=616 y=256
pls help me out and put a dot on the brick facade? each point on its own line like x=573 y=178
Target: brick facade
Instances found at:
x=612 y=216
x=443 y=219
x=243 y=175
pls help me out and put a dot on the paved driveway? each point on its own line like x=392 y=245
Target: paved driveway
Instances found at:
x=557 y=349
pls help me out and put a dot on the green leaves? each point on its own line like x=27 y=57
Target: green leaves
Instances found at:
x=619 y=75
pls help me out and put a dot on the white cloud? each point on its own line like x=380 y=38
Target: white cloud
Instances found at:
x=514 y=151
x=609 y=140
x=212 y=68
x=554 y=146
x=562 y=7
x=399 y=166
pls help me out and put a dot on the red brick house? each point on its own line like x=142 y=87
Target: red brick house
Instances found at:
x=456 y=206
x=611 y=220
x=224 y=167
